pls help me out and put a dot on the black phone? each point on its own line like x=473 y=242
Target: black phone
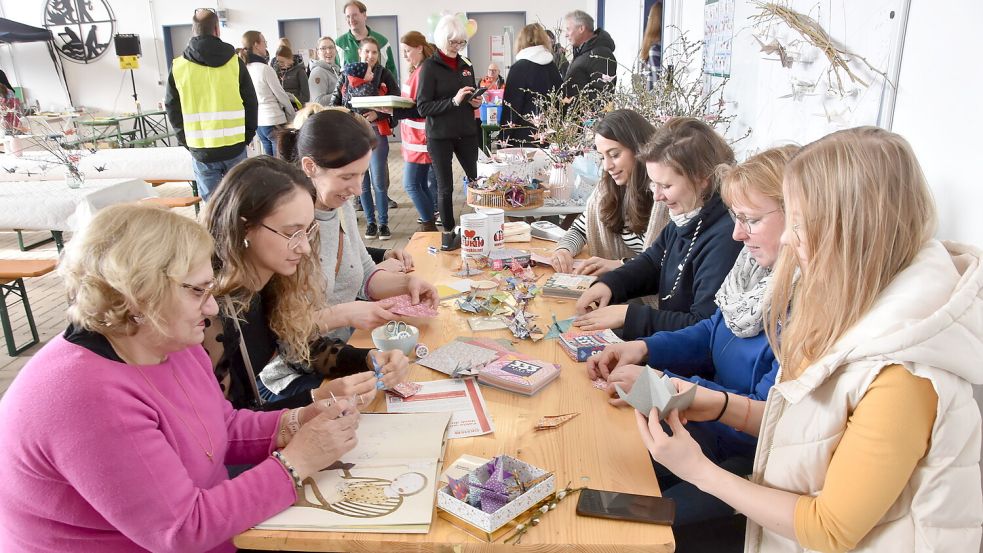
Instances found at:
x=477 y=93
x=626 y=506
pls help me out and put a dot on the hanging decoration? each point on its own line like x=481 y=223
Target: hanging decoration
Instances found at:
x=82 y=29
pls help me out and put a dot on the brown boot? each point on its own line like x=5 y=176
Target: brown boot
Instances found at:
x=428 y=226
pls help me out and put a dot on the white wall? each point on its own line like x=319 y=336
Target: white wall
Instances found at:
x=101 y=85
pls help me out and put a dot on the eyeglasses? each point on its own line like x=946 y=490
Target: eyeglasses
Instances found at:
x=795 y=231
x=203 y=292
x=748 y=224
x=457 y=42
x=296 y=239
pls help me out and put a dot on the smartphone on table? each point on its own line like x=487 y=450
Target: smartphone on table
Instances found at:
x=626 y=506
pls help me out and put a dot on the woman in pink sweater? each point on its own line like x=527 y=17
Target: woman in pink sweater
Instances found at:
x=115 y=436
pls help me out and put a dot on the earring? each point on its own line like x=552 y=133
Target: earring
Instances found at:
x=245 y=243
x=138 y=319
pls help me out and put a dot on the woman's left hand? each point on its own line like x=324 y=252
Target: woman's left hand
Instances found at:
x=395 y=366
x=679 y=453
x=597 y=266
x=612 y=316
x=402 y=256
x=422 y=291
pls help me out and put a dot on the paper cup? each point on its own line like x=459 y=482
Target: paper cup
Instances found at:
x=496 y=228
x=474 y=235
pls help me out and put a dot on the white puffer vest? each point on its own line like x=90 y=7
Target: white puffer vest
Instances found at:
x=929 y=320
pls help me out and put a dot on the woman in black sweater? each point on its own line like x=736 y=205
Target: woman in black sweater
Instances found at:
x=446 y=82
x=533 y=73
x=687 y=264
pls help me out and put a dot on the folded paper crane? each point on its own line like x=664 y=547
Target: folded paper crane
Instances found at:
x=651 y=390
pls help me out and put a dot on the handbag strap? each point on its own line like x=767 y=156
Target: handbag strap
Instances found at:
x=250 y=373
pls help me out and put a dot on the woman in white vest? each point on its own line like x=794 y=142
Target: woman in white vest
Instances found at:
x=870 y=440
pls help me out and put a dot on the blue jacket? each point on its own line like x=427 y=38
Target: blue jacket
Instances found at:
x=709 y=354
x=655 y=271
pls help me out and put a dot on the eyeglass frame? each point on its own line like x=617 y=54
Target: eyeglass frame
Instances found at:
x=458 y=43
x=746 y=223
x=205 y=291
x=310 y=232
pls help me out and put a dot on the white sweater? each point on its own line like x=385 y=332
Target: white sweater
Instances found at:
x=274 y=103
x=929 y=320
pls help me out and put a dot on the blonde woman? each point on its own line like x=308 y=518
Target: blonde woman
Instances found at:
x=533 y=74
x=870 y=440
x=115 y=436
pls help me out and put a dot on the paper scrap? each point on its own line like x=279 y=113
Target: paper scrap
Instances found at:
x=403 y=305
x=553 y=421
x=462 y=398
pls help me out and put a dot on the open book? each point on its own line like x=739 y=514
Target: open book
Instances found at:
x=386 y=484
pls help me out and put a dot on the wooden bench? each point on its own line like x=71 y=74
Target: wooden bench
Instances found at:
x=12 y=275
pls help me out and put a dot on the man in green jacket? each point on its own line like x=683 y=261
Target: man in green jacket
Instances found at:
x=348 y=43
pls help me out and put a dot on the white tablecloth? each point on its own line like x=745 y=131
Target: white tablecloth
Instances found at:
x=52 y=205
x=139 y=163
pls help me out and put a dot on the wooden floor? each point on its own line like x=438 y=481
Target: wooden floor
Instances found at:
x=47 y=296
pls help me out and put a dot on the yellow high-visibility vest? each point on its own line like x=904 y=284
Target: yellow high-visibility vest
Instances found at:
x=210 y=103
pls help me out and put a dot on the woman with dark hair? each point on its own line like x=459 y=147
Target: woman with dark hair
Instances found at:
x=333 y=149
x=275 y=107
x=419 y=178
x=293 y=76
x=650 y=54
x=446 y=82
x=620 y=219
x=688 y=262
x=270 y=287
x=533 y=73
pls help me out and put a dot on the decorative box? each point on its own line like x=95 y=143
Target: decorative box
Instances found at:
x=503 y=258
x=491 y=526
x=580 y=345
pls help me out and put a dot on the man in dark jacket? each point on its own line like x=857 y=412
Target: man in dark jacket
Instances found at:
x=594 y=66
x=211 y=103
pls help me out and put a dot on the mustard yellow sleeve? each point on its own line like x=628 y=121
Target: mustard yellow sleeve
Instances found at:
x=886 y=436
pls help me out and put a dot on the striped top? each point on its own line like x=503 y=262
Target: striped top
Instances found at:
x=576 y=237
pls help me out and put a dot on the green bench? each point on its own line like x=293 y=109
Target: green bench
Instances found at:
x=12 y=275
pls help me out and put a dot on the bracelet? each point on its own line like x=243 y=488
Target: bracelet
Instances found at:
x=293 y=421
x=726 y=401
x=747 y=415
x=290 y=469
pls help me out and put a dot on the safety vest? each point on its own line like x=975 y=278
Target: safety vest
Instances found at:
x=210 y=103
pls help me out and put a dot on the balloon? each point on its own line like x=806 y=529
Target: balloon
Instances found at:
x=471 y=27
x=432 y=21
x=462 y=18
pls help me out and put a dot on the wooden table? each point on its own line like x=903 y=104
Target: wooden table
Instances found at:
x=602 y=444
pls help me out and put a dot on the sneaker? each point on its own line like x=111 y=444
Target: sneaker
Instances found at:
x=393 y=204
x=371 y=231
x=384 y=233
x=429 y=226
x=419 y=220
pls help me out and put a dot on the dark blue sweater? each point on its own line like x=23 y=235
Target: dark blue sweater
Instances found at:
x=713 y=255
x=709 y=354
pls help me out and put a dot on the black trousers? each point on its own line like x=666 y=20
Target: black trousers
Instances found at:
x=442 y=151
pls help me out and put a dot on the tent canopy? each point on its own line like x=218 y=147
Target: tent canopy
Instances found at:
x=12 y=31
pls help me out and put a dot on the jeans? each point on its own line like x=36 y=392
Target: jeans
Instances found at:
x=692 y=504
x=377 y=180
x=420 y=182
x=442 y=151
x=265 y=134
x=209 y=174
x=303 y=384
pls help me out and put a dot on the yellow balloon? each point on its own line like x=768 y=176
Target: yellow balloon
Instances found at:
x=471 y=27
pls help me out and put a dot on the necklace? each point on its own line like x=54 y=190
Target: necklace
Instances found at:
x=679 y=268
x=209 y=451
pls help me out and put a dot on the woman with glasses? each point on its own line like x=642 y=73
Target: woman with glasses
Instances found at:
x=445 y=84
x=689 y=260
x=870 y=438
x=270 y=291
x=115 y=436
x=728 y=352
x=325 y=72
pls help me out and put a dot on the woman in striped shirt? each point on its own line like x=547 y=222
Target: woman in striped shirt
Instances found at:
x=617 y=223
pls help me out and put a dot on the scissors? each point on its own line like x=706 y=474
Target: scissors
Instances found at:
x=396 y=329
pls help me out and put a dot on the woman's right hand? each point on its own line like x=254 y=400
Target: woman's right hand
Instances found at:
x=462 y=94
x=367 y=315
x=362 y=385
x=324 y=439
x=599 y=293
x=562 y=260
x=706 y=404
x=616 y=355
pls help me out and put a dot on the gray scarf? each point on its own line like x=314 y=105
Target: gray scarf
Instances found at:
x=742 y=297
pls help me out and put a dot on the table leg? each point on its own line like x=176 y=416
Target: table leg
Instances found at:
x=24 y=247
x=16 y=288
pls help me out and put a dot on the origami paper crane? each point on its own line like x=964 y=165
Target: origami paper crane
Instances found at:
x=651 y=391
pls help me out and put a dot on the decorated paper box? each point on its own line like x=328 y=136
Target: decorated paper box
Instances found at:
x=580 y=345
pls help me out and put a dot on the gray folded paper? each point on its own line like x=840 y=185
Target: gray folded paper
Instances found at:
x=651 y=391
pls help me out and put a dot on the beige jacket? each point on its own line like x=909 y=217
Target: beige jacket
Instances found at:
x=929 y=320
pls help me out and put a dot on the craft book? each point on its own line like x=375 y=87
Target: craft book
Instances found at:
x=386 y=484
x=518 y=373
x=580 y=344
x=565 y=285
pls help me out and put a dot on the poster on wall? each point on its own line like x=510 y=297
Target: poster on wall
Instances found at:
x=83 y=29
x=718 y=37
x=497 y=48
